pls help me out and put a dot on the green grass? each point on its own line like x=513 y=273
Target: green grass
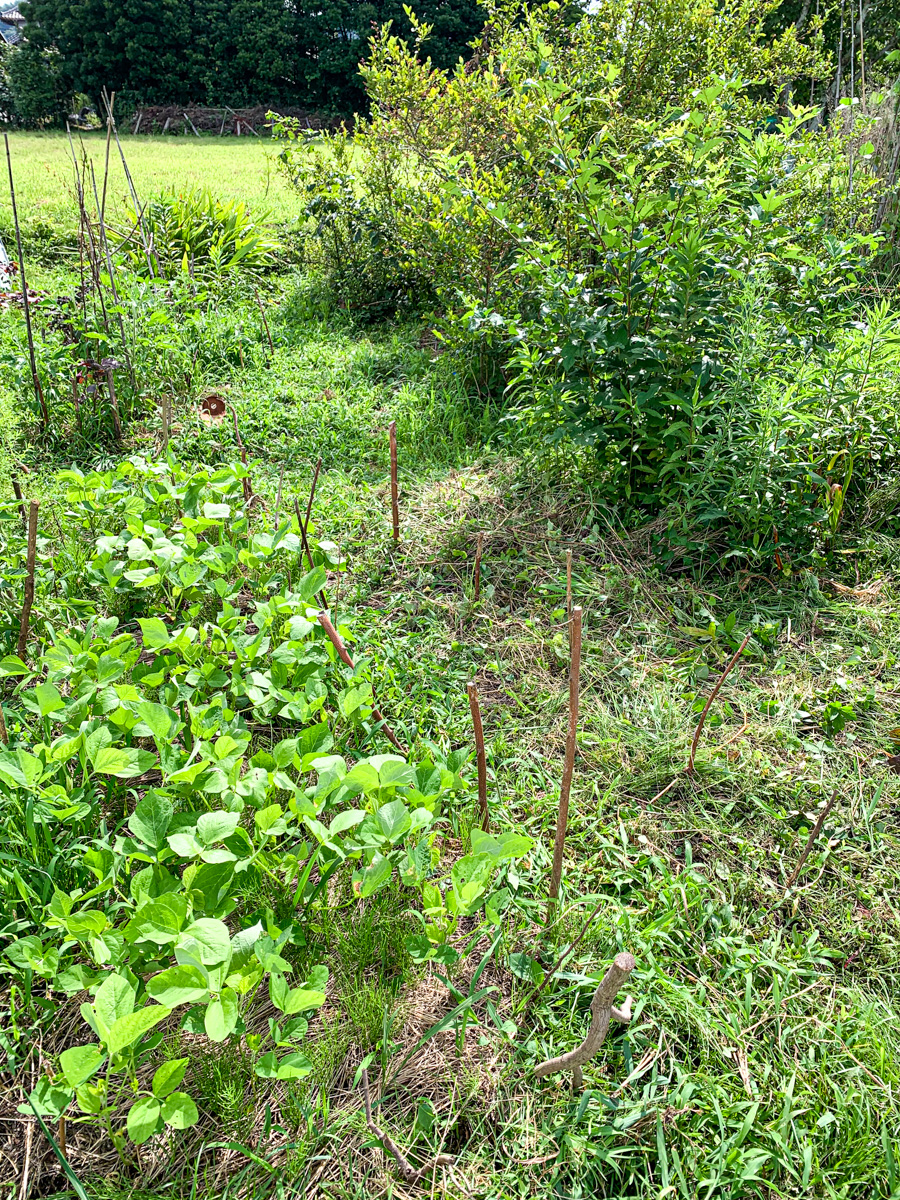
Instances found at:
x=762 y=1058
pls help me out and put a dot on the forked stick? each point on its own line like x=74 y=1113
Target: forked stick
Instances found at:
x=562 y=820
x=407 y=1172
x=337 y=642
x=602 y=1010
x=480 y=756
x=712 y=696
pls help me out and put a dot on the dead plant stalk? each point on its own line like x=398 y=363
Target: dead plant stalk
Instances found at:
x=480 y=756
x=712 y=695
x=562 y=821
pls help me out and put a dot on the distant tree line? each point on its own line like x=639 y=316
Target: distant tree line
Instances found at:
x=302 y=53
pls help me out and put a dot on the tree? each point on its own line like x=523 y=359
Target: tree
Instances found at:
x=35 y=87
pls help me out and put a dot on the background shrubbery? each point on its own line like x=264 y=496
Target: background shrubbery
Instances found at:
x=670 y=272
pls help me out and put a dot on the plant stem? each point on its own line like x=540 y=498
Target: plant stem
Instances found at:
x=712 y=696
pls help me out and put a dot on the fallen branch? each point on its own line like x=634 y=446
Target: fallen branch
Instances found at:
x=337 y=642
x=810 y=842
x=407 y=1172
x=602 y=1010
x=480 y=756
x=712 y=695
x=562 y=820
x=29 y=578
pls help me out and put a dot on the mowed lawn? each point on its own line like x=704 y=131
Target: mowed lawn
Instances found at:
x=232 y=168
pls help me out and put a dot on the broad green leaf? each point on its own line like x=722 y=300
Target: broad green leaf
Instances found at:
x=267 y=1066
x=496 y=905
x=114 y=999
x=150 y=820
x=168 y=1077
x=362 y=778
x=300 y=1000
x=222 y=1016
x=216 y=512
x=130 y=1029
x=161 y=721
x=179 y=1111
x=345 y=820
x=48 y=698
x=506 y=846
x=216 y=826
x=86 y=924
x=394 y=773
x=155 y=633
x=210 y=938
x=48 y=1099
x=393 y=820
x=142 y=1120
x=178 y=985
x=311 y=583
x=293 y=1066
x=159 y=920
x=372 y=878
x=79 y=1063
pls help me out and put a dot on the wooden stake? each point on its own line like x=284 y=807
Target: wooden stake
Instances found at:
x=312 y=492
x=114 y=404
x=278 y=497
x=248 y=487
x=562 y=821
x=325 y=622
x=480 y=756
x=38 y=390
x=262 y=313
x=62 y=1128
x=21 y=499
x=191 y=123
x=148 y=247
x=478 y=548
x=109 y=106
x=395 y=493
x=29 y=578
x=712 y=696
x=568 y=584
x=810 y=842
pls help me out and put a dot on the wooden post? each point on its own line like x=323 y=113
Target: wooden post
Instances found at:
x=337 y=642
x=21 y=499
x=562 y=821
x=38 y=390
x=395 y=492
x=29 y=578
x=568 y=585
x=480 y=756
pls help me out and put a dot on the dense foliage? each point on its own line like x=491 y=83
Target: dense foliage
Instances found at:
x=663 y=271
x=242 y=53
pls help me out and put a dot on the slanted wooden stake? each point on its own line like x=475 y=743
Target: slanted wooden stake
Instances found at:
x=407 y=1172
x=602 y=1009
x=38 y=390
x=29 y=577
x=480 y=756
x=479 y=545
x=337 y=642
x=562 y=821
x=708 y=704
x=395 y=492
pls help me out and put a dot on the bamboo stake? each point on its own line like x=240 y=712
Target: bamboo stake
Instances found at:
x=21 y=499
x=114 y=403
x=336 y=641
x=151 y=258
x=712 y=696
x=810 y=842
x=111 y=102
x=4 y=736
x=29 y=578
x=480 y=756
x=62 y=1135
x=312 y=492
x=38 y=390
x=395 y=507
x=479 y=545
x=562 y=821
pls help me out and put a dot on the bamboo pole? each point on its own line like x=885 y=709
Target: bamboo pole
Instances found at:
x=38 y=390
x=562 y=821
x=29 y=578
x=480 y=756
x=395 y=491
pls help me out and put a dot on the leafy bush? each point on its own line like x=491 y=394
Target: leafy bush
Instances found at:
x=34 y=84
x=194 y=233
x=610 y=245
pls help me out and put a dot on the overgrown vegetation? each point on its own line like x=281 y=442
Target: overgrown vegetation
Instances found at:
x=244 y=850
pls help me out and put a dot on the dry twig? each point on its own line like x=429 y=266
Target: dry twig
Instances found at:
x=810 y=842
x=602 y=1010
x=407 y=1172
x=337 y=642
x=480 y=755
x=712 y=695
x=479 y=545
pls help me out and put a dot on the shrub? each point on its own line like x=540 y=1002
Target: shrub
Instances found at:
x=35 y=88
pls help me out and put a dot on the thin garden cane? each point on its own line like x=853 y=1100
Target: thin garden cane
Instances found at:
x=602 y=1010
x=337 y=642
x=395 y=491
x=479 y=546
x=35 y=379
x=810 y=842
x=152 y=260
x=304 y=542
x=480 y=756
x=29 y=578
x=568 y=584
x=562 y=820
x=708 y=704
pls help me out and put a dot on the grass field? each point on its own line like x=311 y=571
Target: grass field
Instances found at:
x=763 y=1055
x=239 y=168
